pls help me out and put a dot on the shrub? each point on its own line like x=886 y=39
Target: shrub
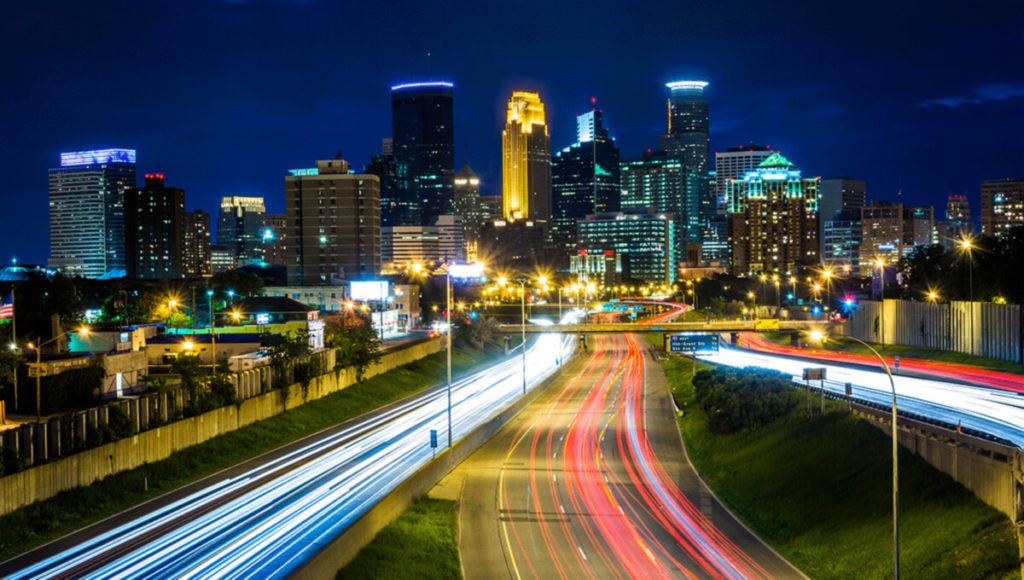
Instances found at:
x=119 y=422
x=736 y=399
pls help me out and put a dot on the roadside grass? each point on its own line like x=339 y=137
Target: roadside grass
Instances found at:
x=421 y=543
x=43 y=521
x=915 y=352
x=817 y=488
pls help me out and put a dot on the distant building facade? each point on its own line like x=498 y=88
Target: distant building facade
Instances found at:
x=660 y=181
x=332 y=224
x=842 y=236
x=196 y=261
x=891 y=231
x=526 y=160
x=470 y=207
x=274 y=239
x=1002 y=206
x=239 y=227
x=87 y=211
x=642 y=240
x=958 y=215
x=426 y=245
x=773 y=215
x=518 y=246
x=155 y=230
x=397 y=207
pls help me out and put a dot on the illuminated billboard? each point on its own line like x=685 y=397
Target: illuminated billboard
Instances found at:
x=368 y=290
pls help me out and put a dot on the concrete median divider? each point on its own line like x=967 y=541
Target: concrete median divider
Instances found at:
x=344 y=548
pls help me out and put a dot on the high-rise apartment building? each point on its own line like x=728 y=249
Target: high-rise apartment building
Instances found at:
x=891 y=231
x=584 y=180
x=1002 y=206
x=641 y=239
x=239 y=227
x=196 y=261
x=526 y=160
x=423 y=130
x=838 y=194
x=332 y=224
x=87 y=211
x=154 y=223
x=773 y=216
x=661 y=182
x=958 y=215
x=275 y=241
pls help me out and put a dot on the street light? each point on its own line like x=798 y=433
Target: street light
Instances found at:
x=213 y=332
x=881 y=271
x=83 y=331
x=474 y=270
x=819 y=336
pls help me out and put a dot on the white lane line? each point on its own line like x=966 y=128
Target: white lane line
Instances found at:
x=581 y=552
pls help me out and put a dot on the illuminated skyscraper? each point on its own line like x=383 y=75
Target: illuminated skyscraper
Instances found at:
x=958 y=215
x=526 y=160
x=584 y=180
x=87 y=211
x=659 y=181
x=687 y=133
x=423 y=130
x=773 y=214
x=196 y=262
x=1002 y=206
x=240 y=227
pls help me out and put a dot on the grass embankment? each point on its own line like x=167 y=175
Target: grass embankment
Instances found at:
x=910 y=352
x=421 y=543
x=818 y=490
x=70 y=510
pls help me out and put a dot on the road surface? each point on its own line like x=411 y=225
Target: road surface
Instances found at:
x=992 y=411
x=264 y=519
x=591 y=481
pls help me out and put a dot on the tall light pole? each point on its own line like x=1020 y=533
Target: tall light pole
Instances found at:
x=826 y=273
x=213 y=333
x=966 y=245
x=819 y=336
x=474 y=270
x=881 y=275
x=522 y=325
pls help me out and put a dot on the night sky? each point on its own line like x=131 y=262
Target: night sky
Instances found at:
x=225 y=96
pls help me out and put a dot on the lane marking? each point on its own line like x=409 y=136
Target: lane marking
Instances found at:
x=581 y=552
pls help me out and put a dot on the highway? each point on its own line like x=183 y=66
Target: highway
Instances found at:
x=591 y=481
x=993 y=411
x=269 y=516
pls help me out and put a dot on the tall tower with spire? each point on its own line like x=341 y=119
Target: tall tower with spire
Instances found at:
x=526 y=160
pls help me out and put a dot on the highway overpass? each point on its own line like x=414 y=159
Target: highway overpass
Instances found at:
x=761 y=325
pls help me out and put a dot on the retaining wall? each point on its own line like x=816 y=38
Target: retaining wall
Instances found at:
x=85 y=467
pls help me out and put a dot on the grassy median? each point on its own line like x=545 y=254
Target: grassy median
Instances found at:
x=73 y=509
x=817 y=488
x=421 y=543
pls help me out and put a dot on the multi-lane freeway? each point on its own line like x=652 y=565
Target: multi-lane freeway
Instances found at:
x=591 y=481
x=266 y=518
x=994 y=411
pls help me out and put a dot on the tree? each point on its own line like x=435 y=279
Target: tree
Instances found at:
x=477 y=333
x=241 y=282
x=283 y=356
x=40 y=297
x=355 y=341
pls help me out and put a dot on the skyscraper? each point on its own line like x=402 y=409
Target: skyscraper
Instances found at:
x=87 y=211
x=660 y=181
x=1002 y=206
x=735 y=162
x=835 y=195
x=891 y=231
x=469 y=206
x=239 y=227
x=423 y=130
x=154 y=230
x=687 y=133
x=773 y=214
x=333 y=224
x=196 y=262
x=642 y=240
x=275 y=242
x=584 y=180
x=526 y=160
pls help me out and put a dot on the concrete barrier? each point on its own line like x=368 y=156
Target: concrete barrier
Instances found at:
x=83 y=468
x=345 y=547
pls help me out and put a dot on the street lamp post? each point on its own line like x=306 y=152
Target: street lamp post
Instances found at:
x=213 y=333
x=818 y=336
x=474 y=270
x=522 y=325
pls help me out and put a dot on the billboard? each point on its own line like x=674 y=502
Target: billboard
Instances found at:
x=368 y=290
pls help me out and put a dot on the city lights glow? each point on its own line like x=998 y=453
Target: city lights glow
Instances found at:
x=96 y=157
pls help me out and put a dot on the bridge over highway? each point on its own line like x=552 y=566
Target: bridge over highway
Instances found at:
x=762 y=325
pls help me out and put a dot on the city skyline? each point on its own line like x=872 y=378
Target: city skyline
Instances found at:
x=895 y=132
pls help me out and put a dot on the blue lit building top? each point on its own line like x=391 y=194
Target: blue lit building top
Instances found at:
x=424 y=85
x=97 y=157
